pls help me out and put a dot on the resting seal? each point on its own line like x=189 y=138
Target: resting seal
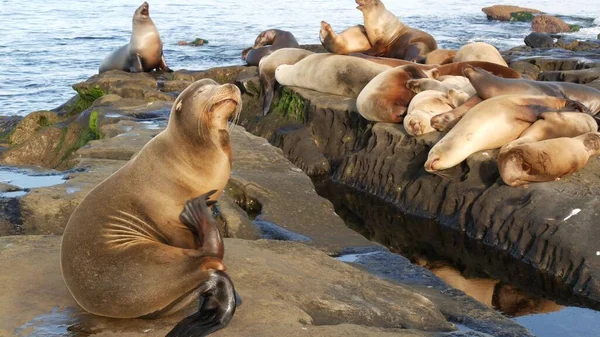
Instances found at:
x=547 y=160
x=490 y=125
x=144 y=52
x=442 y=84
x=440 y=56
x=479 y=51
x=266 y=43
x=329 y=73
x=352 y=40
x=138 y=249
x=488 y=86
x=446 y=121
x=427 y=104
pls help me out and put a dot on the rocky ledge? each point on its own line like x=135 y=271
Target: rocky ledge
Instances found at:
x=291 y=288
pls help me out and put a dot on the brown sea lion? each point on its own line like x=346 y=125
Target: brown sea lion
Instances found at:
x=143 y=242
x=446 y=121
x=488 y=86
x=547 y=160
x=479 y=51
x=266 y=43
x=492 y=124
x=330 y=73
x=144 y=52
x=386 y=97
x=352 y=40
x=427 y=104
x=267 y=67
x=442 y=84
x=440 y=56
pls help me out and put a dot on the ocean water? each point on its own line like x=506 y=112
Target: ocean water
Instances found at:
x=46 y=46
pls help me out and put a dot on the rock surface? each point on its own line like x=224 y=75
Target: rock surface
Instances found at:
x=549 y=24
x=502 y=12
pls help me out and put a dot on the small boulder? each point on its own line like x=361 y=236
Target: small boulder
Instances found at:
x=539 y=40
x=549 y=24
x=197 y=42
x=503 y=13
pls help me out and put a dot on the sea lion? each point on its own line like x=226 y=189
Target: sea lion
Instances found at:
x=352 y=40
x=442 y=84
x=488 y=85
x=547 y=160
x=267 y=67
x=446 y=121
x=427 y=104
x=491 y=124
x=386 y=97
x=138 y=249
x=389 y=37
x=440 y=56
x=555 y=125
x=266 y=43
x=144 y=52
x=330 y=73
x=479 y=51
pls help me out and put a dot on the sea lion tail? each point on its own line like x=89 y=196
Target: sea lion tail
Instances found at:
x=217 y=306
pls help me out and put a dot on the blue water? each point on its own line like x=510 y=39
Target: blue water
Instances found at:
x=46 y=46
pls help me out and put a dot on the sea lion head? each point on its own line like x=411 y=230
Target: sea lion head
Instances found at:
x=265 y=38
x=366 y=4
x=203 y=110
x=142 y=12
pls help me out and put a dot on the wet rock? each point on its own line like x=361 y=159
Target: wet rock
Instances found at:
x=127 y=85
x=582 y=76
x=7 y=127
x=31 y=124
x=219 y=74
x=234 y=220
x=503 y=13
x=275 y=279
x=526 y=68
x=539 y=40
x=175 y=86
x=197 y=42
x=549 y=24
x=567 y=43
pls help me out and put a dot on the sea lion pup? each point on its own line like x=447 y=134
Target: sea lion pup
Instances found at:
x=491 y=124
x=352 y=40
x=144 y=52
x=266 y=43
x=447 y=120
x=479 y=51
x=267 y=67
x=427 y=104
x=440 y=56
x=442 y=84
x=329 y=73
x=386 y=97
x=555 y=125
x=143 y=242
x=389 y=37
x=488 y=85
x=547 y=160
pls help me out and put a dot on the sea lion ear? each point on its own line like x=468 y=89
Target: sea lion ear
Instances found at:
x=432 y=73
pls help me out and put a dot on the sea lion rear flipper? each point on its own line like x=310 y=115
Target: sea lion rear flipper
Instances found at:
x=198 y=218
x=217 y=306
x=163 y=65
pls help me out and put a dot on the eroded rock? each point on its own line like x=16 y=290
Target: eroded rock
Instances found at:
x=549 y=24
x=503 y=12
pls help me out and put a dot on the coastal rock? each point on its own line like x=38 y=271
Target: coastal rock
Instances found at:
x=7 y=127
x=275 y=279
x=503 y=12
x=539 y=40
x=31 y=124
x=127 y=85
x=526 y=68
x=581 y=76
x=549 y=24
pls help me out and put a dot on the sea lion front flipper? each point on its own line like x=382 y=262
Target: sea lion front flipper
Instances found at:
x=199 y=219
x=217 y=306
x=136 y=66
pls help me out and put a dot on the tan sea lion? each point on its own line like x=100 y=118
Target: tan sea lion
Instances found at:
x=446 y=121
x=427 y=104
x=440 y=56
x=442 y=84
x=143 y=242
x=492 y=124
x=266 y=43
x=386 y=97
x=479 y=51
x=488 y=85
x=547 y=160
x=144 y=52
x=351 y=40
x=329 y=73
x=555 y=125
x=267 y=67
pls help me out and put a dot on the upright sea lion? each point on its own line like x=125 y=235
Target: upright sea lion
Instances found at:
x=491 y=124
x=555 y=125
x=488 y=85
x=267 y=67
x=331 y=74
x=352 y=40
x=479 y=51
x=547 y=160
x=266 y=43
x=144 y=52
x=138 y=249
x=427 y=104
x=386 y=97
